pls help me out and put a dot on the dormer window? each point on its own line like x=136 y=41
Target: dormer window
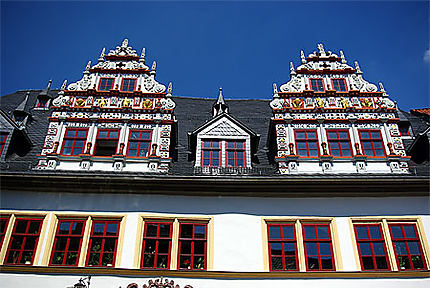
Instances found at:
x=106 y=84
x=74 y=141
x=42 y=102
x=404 y=129
x=128 y=85
x=19 y=117
x=211 y=153
x=339 y=84
x=236 y=153
x=106 y=143
x=317 y=85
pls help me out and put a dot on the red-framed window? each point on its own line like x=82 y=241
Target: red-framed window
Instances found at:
x=236 y=153
x=103 y=243
x=42 y=102
x=404 y=128
x=128 y=85
x=318 y=247
x=192 y=246
x=68 y=241
x=3 y=138
x=339 y=84
x=372 y=143
x=74 y=141
x=407 y=246
x=211 y=153
x=106 y=84
x=282 y=247
x=317 y=84
x=157 y=244
x=339 y=143
x=371 y=247
x=307 y=143
x=106 y=142
x=23 y=241
x=139 y=142
x=4 y=221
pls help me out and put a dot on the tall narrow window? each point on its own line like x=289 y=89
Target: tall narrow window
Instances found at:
x=4 y=221
x=192 y=246
x=3 y=137
x=103 y=243
x=372 y=143
x=307 y=143
x=317 y=85
x=236 y=156
x=211 y=153
x=371 y=247
x=138 y=143
x=128 y=85
x=23 y=242
x=282 y=247
x=74 y=140
x=318 y=247
x=106 y=143
x=106 y=84
x=339 y=84
x=407 y=247
x=339 y=143
x=68 y=241
x=157 y=242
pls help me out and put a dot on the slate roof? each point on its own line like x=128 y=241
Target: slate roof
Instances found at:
x=191 y=114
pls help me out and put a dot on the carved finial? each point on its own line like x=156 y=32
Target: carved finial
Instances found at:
x=381 y=87
x=302 y=56
x=102 y=55
x=275 y=91
x=321 y=48
x=142 y=56
x=63 y=86
x=342 y=56
x=87 y=68
x=124 y=43
x=154 y=66
x=219 y=106
x=292 y=71
x=169 y=89
x=357 y=68
x=49 y=84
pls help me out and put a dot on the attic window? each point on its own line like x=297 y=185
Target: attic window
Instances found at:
x=19 y=117
x=404 y=128
x=3 y=137
x=42 y=103
x=106 y=143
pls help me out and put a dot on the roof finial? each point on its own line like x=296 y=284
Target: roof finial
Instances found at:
x=342 y=56
x=49 y=84
x=275 y=91
x=292 y=71
x=21 y=106
x=219 y=106
x=169 y=90
x=321 y=48
x=142 y=56
x=124 y=43
x=102 y=55
x=381 y=87
x=153 y=67
x=63 y=86
x=87 y=68
x=302 y=56
x=357 y=68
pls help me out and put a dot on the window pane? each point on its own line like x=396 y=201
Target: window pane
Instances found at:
x=396 y=231
x=77 y=228
x=111 y=228
x=103 y=134
x=199 y=231
x=186 y=231
x=313 y=263
x=277 y=263
x=378 y=248
x=199 y=247
x=375 y=232
x=186 y=247
x=300 y=135
x=288 y=232
x=98 y=228
x=404 y=262
x=162 y=261
x=164 y=230
x=325 y=249
x=148 y=260
x=381 y=262
x=322 y=232
x=163 y=246
x=311 y=248
x=365 y=249
x=368 y=263
x=417 y=261
x=414 y=248
x=290 y=263
x=150 y=246
x=409 y=231
x=64 y=228
x=310 y=232
x=289 y=248
x=326 y=262
x=400 y=248
x=275 y=249
x=275 y=232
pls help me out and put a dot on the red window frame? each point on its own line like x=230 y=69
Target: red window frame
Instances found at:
x=339 y=146
x=42 y=102
x=21 y=250
x=407 y=248
x=3 y=138
x=235 y=153
x=4 y=222
x=404 y=129
x=106 y=84
x=68 y=242
x=188 y=245
x=370 y=144
x=317 y=84
x=72 y=137
x=318 y=252
x=99 y=254
x=109 y=136
x=306 y=146
x=210 y=150
x=278 y=246
x=371 y=247
x=128 y=84
x=336 y=84
x=138 y=144
x=152 y=243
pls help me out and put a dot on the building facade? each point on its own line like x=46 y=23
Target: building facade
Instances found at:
x=114 y=178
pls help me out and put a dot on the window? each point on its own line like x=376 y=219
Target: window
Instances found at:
x=317 y=85
x=103 y=243
x=138 y=143
x=235 y=153
x=128 y=85
x=74 y=140
x=282 y=247
x=318 y=247
x=42 y=102
x=106 y=143
x=371 y=247
x=307 y=143
x=407 y=247
x=4 y=221
x=339 y=143
x=23 y=241
x=192 y=246
x=339 y=85
x=157 y=244
x=372 y=143
x=68 y=241
x=211 y=153
x=106 y=84
x=404 y=128
x=3 y=138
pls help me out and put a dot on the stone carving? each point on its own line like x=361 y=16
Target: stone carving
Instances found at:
x=82 y=84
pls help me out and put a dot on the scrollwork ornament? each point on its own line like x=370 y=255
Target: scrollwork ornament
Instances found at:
x=276 y=104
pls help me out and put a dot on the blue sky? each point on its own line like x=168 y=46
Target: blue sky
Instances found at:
x=199 y=46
